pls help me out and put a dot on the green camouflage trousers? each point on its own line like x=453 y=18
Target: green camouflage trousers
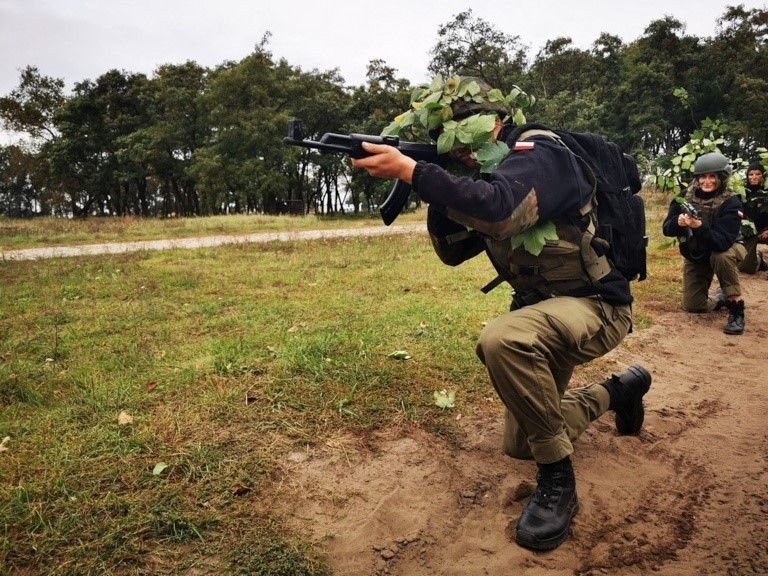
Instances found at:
x=530 y=355
x=697 y=278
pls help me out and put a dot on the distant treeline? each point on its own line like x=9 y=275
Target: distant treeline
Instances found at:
x=193 y=141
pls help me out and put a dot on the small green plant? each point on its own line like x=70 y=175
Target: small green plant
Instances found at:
x=708 y=139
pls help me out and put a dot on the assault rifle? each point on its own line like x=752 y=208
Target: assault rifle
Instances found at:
x=690 y=210
x=352 y=145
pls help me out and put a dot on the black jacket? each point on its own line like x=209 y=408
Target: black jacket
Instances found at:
x=715 y=236
x=542 y=183
x=756 y=196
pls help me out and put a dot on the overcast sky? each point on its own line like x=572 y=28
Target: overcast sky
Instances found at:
x=77 y=40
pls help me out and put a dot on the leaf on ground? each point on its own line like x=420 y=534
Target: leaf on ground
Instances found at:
x=445 y=399
x=400 y=355
x=124 y=419
x=240 y=490
x=159 y=467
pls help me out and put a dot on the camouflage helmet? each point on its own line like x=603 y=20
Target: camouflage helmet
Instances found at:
x=712 y=162
x=459 y=112
x=474 y=99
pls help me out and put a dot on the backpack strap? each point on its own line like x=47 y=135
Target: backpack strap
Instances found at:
x=596 y=267
x=538 y=130
x=458 y=236
x=492 y=284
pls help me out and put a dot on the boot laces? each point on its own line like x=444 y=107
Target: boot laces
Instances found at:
x=549 y=490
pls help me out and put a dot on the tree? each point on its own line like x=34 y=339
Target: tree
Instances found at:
x=21 y=188
x=568 y=84
x=178 y=129
x=738 y=56
x=371 y=108
x=470 y=46
x=84 y=155
x=645 y=108
x=30 y=107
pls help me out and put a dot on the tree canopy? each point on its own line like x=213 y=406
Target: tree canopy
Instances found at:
x=190 y=140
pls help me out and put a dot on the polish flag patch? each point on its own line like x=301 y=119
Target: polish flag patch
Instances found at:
x=524 y=146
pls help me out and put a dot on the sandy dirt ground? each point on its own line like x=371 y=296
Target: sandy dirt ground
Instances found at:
x=687 y=496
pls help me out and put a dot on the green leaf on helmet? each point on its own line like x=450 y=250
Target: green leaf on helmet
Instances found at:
x=519 y=117
x=392 y=129
x=450 y=125
x=423 y=116
x=535 y=238
x=435 y=119
x=473 y=88
x=407 y=119
x=464 y=136
x=417 y=94
x=445 y=141
x=476 y=129
x=495 y=95
x=437 y=84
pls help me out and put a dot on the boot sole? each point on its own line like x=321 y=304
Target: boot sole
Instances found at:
x=637 y=414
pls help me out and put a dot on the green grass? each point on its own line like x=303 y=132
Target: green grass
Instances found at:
x=226 y=360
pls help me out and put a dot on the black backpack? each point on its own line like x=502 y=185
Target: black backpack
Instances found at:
x=620 y=211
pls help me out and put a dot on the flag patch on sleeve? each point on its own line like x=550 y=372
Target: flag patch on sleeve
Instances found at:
x=523 y=146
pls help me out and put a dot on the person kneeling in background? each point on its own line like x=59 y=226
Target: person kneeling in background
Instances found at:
x=755 y=209
x=710 y=244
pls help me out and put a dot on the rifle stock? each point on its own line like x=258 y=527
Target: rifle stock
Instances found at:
x=352 y=145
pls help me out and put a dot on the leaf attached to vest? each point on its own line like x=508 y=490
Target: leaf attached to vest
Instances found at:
x=534 y=239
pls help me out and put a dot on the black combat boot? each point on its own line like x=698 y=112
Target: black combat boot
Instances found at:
x=627 y=390
x=546 y=519
x=735 y=318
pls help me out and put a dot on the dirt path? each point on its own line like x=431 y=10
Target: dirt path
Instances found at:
x=203 y=242
x=688 y=496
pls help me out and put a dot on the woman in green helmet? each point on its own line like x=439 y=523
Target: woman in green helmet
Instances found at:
x=710 y=240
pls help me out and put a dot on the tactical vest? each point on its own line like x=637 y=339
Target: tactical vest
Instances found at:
x=708 y=211
x=566 y=264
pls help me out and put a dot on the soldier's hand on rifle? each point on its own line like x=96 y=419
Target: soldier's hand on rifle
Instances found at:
x=686 y=221
x=386 y=162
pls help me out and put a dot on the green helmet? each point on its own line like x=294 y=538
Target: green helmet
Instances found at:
x=712 y=162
